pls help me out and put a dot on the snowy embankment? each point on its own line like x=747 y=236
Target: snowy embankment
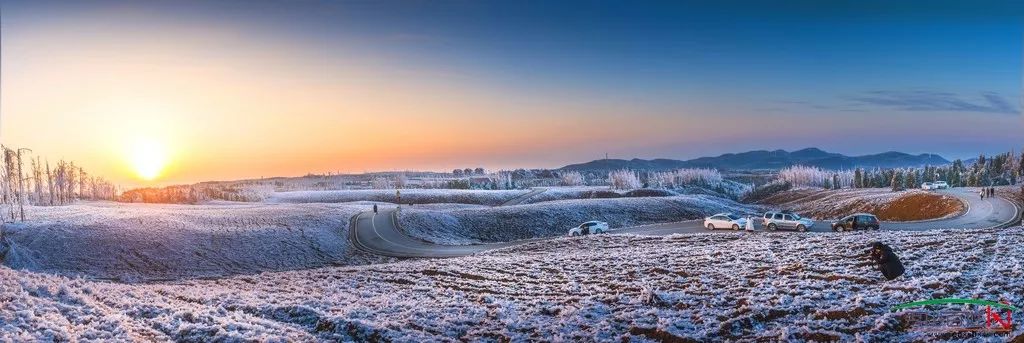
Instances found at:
x=554 y=218
x=908 y=205
x=696 y=287
x=151 y=241
x=409 y=196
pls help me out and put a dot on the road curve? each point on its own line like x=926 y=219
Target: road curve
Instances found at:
x=520 y=199
x=379 y=233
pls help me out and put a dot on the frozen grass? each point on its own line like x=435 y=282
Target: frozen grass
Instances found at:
x=906 y=205
x=555 y=218
x=697 y=287
x=578 y=192
x=150 y=241
x=415 y=196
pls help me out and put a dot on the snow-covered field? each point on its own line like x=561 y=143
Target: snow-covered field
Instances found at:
x=415 y=196
x=150 y=241
x=695 y=287
x=554 y=218
x=905 y=205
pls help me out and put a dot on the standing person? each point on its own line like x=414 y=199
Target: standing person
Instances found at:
x=374 y=208
x=750 y=224
x=982 y=194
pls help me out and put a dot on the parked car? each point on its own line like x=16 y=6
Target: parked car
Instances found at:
x=725 y=220
x=940 y=185
x=856 y=221
x=928 y=186
x=786 y=220
x=591 y=227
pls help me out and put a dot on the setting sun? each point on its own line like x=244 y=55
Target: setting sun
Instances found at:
x=148 y=159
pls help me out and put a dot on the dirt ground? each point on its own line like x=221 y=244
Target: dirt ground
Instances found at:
x=909 y=205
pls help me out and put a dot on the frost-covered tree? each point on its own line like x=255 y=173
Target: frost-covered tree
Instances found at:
x=897 y=180
x=624 y=179
x=571 y=178
x=910 y=181
x=380 y=182
x=400 y=181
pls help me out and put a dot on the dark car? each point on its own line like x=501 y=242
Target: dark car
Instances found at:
x=857 y=221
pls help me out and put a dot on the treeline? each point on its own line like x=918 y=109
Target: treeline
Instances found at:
x=999 y=170
x=32 y=181
x=194 y=194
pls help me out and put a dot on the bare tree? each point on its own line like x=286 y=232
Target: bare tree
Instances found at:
x=21 y=185
x=82 y=179
x=49 y=184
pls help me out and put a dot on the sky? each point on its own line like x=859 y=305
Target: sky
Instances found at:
x=181 y=91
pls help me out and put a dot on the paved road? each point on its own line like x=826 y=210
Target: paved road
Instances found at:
x=520 y=199
x=378 y=233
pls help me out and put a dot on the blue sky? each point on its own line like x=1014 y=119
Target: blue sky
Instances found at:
x=851 y=77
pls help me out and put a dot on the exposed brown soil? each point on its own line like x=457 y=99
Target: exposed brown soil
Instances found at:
x=920 y=206
x=830 y=204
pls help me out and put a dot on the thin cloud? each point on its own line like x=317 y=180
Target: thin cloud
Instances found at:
x=935 y=101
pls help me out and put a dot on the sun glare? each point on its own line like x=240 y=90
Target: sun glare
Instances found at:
x=149 y=158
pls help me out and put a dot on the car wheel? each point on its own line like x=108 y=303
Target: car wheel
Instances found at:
x=801 y=228
x=574 y=234
x=735 y=227
x=711 y=226
x=838 y=228
x=772 y=227
x=875 y=228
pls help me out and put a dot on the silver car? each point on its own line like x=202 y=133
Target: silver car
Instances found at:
x=786 y=221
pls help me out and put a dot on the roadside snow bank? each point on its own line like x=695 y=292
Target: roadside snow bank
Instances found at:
x=157 y=241
x=696 y=287
x=554 y=218
x=409 y=196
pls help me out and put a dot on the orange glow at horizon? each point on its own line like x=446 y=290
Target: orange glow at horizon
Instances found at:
x=172 y=105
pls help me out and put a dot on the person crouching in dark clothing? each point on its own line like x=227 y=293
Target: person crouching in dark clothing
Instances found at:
x=888 y=263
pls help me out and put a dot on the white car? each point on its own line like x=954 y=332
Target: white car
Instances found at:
x=928 y=186
x=940 y=185
x=725 y=221
x=591 y=227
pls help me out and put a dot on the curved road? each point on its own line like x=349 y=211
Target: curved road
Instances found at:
x=379 y=233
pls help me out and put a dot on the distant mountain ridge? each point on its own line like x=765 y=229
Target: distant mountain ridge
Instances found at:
x=764 y=159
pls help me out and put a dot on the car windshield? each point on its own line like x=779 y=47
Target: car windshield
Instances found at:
x=733 y=216
x=795 y=216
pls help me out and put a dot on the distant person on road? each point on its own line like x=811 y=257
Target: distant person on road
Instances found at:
x=982 y=194
x=888 y=263
x=750 y=224
x=374 y=208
